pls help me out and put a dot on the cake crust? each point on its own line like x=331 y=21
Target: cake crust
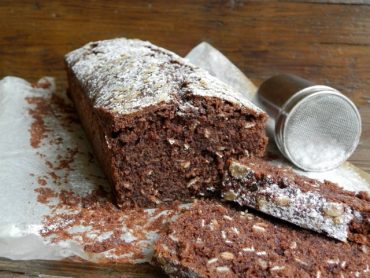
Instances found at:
x=126 y=75
x=319 y=206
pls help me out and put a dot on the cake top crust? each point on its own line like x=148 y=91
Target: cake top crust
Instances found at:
x=126 y=75
x=279 y=191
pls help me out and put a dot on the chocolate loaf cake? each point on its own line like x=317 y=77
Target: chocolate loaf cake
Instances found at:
x=161 y=128
x=211 y=240
x=320 y=206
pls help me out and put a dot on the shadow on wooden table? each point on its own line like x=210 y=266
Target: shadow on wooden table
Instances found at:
x=40 y=268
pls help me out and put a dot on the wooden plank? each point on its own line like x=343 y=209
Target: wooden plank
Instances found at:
x=344 y=2
x=75 y=269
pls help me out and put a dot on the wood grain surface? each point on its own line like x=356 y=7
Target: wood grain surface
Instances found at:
x=325 y=41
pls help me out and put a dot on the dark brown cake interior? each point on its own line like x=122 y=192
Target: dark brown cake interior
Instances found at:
x=211 y=240
x=179 y=150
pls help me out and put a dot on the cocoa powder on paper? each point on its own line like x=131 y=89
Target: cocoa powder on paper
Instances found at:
x=38 y=130
x=91 y=220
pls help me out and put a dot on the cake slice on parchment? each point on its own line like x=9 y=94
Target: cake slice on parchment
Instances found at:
x=161 y=128
x=320 y=206
x=212 y=240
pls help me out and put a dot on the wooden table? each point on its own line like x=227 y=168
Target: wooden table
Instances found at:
x=324 y=41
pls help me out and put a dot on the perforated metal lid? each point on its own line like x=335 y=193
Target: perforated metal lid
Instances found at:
x=318 y=128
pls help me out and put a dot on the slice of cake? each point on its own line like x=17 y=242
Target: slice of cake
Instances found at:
x=320 y=206
x=211 y=240
x=161 y=128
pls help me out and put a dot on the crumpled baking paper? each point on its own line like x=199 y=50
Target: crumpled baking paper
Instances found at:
x=22 y=217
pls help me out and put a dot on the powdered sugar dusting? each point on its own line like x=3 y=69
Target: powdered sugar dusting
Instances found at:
x=346 y=176
x=305 y=208
x=319 y=156
x=310 y=203
x=124 y=76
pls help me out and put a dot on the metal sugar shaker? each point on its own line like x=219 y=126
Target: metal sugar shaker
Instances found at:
x=314 y=126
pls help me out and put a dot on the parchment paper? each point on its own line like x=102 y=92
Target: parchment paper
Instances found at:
x=55 y=201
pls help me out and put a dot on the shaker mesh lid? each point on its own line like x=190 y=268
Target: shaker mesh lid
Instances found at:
x=321 y=131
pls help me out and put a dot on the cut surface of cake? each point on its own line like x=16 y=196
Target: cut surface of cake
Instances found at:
x=161 y=128
x=212 y=240
x=320 y=206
